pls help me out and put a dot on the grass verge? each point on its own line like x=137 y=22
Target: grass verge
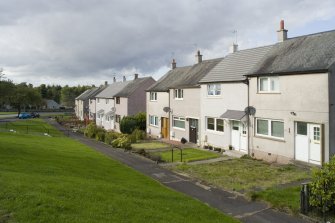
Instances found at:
x=149 y=145
x=49 y=179
x=188 y=155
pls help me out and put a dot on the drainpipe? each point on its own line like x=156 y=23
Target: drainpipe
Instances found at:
x=169 y=116
x=246 y=81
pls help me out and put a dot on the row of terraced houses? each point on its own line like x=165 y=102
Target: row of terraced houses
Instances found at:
x=274 y=102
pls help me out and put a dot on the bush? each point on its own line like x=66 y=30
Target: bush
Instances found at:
x=91 y=130
x=132 y=138
x=139 y=134
x=122 y=142
x=217 y=149
x=110 y=136
x=183 y=140
x=323 y=187
x=100 y=135
x=246 y=156
x=128 y=124
x=141 y=121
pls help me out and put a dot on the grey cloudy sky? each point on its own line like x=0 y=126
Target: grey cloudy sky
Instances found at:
x=89 y=41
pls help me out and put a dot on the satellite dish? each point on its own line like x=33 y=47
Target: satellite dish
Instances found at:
x=166 y=109
x=250 y=110
x=113 y=109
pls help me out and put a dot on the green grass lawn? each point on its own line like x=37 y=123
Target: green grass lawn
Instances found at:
x=57 y=179
x=189 y=154
x=257 y=179
x=287 y=199
x=149 y=145
x=245 y=174
x=30 y=126
x=7 y=113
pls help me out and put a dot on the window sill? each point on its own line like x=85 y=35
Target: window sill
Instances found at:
x=153 y=100
x=156 y=126
x=214 y=96
x=268 y=92
x=214 y=132
x=178 y=128
x=270 y=138
x=178 y=99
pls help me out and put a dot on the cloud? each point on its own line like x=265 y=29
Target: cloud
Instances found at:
x=85 y=42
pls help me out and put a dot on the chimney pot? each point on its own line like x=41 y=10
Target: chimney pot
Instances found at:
x=106 y=83
x=173 y=64
x=282 y=24
x=135 y=76
x=124 y=78
x=114 y=79
x=198 y=57
x=233 y=48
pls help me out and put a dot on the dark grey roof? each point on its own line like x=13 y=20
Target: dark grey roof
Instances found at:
x=304 y=54
x=233 y=115
x=90 y=93
x=184 y=77
x=132 y=86
x=112 y=89
x=235 y=65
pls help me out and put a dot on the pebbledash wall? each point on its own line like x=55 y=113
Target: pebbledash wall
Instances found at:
x=303 y=98
x=155 y=108
x=234 y=96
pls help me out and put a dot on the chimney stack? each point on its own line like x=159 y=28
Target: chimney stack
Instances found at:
x=233 y=48
x=198 y=57
x=106 y=83
x=173 y=64
x=124 y=78
x=114 y=79
x=282 y=32
x=135 y=76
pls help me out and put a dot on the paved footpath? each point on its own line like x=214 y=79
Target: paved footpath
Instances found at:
x=228 y=203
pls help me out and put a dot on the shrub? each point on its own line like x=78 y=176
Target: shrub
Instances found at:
x=110 y=136
x=91 y=130
x=100 y=135
x=141 y=121
x=323 y=187
x=128 y=124
x=132 y=138
x=139 y=134
x=217 y=149
x=122 y=142
x=246 y=156
x=183 y=140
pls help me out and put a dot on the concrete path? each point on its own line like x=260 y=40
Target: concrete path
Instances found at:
x=228 y=203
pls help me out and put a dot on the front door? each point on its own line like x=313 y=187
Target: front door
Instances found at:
x=239 y=138
x=308 y=142
x=165 y=128
x=193 y=130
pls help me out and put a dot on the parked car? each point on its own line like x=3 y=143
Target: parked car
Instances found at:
x=35 y=115
x=24 y=115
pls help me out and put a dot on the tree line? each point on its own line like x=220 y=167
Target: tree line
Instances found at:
x=22 y=96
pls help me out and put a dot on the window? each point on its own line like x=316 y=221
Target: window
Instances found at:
x=213 y=89
x=316 y=134
x=179 y=122
x=215 y=124
x=271 y=128
x=117 y=118
x=210 y=123
x=302 y=128
x=178 y=94
x=268 y=84
x=153 y=120
x=107 y=100
x=117 y=100
x=153 y=96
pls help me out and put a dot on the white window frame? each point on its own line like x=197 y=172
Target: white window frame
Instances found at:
x=213 y=90
x=269 y=88
x=153 y=120
x=269 y=135
x=178 y=118
x=153 y=96
x=215 y=125
x=178 y=94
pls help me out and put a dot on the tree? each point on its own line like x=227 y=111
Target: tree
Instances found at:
x=6 y=91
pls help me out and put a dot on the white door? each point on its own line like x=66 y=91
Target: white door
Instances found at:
x=235 y=134
x=315 y=144
x=307 y=142
x=301 y=141
x=244 y=138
